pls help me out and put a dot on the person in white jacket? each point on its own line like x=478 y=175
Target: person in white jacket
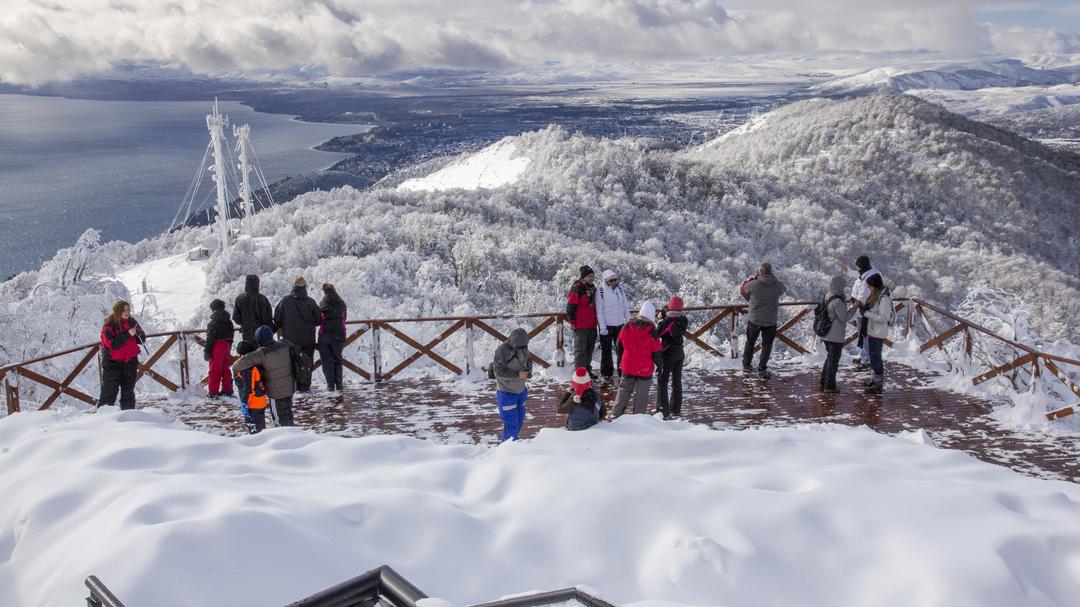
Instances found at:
x=859 y=293
x=879 y=315
x=612 y=313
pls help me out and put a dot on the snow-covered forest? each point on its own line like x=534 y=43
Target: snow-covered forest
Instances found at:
x=942 y=204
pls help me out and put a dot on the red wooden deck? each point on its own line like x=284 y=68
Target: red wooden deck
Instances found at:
x=456 y=410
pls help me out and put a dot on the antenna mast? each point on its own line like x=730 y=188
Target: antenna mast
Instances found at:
x=216 y=124
x=243 y=141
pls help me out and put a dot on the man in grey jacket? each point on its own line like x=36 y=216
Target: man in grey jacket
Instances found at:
x=839 y=313
x=763 y=290
x=512 y=366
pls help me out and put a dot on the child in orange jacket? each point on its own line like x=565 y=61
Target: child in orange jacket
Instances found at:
x=251 y=391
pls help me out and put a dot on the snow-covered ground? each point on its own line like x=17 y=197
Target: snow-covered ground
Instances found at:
x=496 y=165
x=641 y=510
x=173 y=285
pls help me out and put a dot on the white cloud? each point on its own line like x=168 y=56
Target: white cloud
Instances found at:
x=44 y=40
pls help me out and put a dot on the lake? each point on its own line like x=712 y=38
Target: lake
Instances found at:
x=122 y=166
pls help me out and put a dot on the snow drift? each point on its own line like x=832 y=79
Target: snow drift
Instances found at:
x=641 y=510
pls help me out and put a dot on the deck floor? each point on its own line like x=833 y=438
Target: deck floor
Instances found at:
x=456 y=410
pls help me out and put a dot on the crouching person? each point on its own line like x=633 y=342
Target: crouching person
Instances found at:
x=582 y=403
x=275 y=358
x=512 y=366
x=640 y=357
x=251 y=391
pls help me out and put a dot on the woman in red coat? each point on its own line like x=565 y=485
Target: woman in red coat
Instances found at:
x=120 y=339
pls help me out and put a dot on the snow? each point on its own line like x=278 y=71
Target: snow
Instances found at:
x=641 y=510
x=496 y=165
x=175 y=286
x=1002 y=100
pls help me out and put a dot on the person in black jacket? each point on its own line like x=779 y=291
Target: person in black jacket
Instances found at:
x=673 y=324
x=218 y=349
x=252 y=309
x=296 y=317
x=332 y=316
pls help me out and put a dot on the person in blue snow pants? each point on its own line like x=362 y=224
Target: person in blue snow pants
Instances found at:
x=512 y=412
x=511 y=367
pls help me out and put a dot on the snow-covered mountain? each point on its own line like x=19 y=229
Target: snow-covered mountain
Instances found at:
x=940 y=203
x=964 y=76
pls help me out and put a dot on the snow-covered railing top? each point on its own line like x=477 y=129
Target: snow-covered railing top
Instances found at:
x=996 y=355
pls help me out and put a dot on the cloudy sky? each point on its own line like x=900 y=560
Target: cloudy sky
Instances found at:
x=43 y=40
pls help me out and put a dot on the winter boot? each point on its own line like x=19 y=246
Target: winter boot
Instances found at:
x=877 y=386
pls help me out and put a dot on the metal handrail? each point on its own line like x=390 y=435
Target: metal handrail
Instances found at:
x=100 y=595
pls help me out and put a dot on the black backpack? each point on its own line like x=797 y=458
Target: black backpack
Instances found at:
x=822 y=322
x=301 y=366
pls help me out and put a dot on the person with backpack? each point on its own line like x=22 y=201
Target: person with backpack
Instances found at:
x=581 y=314
x=582 y=404
x=297 y=317
x=830 y=324
x=879 y=314
x=860 y=291
x=251 y=391
x=218 y=348
x=332 y=316
x=275 y=361
x=673 y=324
x=763 y=290
x=512 y=366
x=251 y=309
x=640 y=357
x=121 y=337
x=612 y=314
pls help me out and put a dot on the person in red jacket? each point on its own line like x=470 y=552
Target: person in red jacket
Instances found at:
x=120 y=339
x=581 y=314
x=218 y=350
x=640 y=357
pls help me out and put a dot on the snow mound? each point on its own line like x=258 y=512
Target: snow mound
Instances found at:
x=496 y=165
x=640 y=509
x=174 y=285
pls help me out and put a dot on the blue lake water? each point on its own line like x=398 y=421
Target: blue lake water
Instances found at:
x=121 y=166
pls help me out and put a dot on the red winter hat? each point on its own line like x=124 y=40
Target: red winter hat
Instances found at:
x=581 y=381
x=675 y=304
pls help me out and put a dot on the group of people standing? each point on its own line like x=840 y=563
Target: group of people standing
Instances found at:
x=265 y=369
x=634 y=347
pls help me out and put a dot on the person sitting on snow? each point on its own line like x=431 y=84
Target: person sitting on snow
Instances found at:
x=582 y=403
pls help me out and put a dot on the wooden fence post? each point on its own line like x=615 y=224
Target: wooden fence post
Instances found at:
x=732 y=339
x=967 y=361
x=1034 y=373
x=470 y=354
x=11 y=393
x=560 y=343
x=376 y=354
x=185 y=369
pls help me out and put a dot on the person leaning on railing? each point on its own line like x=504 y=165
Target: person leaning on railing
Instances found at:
x=121 y=336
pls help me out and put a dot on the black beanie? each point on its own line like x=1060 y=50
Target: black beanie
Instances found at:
x=862 y=264
x=876 y=281
x=245 y=347
x=585 y=271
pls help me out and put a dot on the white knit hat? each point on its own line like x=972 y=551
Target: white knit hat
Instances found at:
x=609 y=274
x=647 y=311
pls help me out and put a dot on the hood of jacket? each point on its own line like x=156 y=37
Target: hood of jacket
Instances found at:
x=767 y=279
x=299 y=292
x=836 y=285
x=251 y=284
x=220 y=316
x=518 y=338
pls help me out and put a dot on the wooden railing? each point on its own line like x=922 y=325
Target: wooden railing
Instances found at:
x=721 y=324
